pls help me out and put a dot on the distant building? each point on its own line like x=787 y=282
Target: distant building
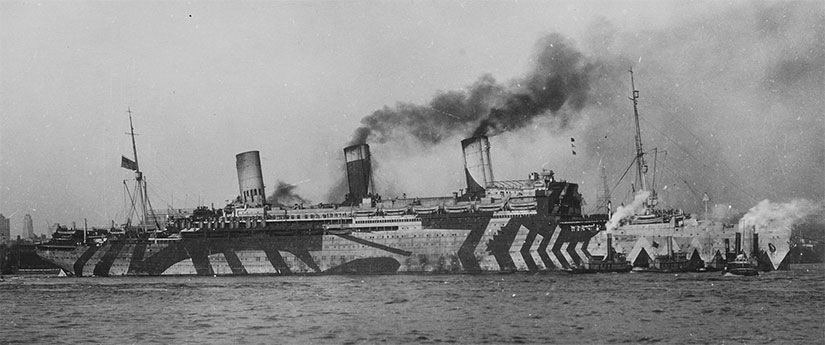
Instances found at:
x=28 y=227
x=5 y=229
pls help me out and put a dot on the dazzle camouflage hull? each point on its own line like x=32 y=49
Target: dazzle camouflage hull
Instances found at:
x=447 y=243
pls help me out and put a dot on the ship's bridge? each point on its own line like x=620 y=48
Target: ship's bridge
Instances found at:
x=500 y=190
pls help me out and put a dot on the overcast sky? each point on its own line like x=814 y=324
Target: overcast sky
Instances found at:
x=740 y=83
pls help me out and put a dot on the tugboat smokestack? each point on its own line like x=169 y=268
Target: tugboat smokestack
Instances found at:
x=609 y=256
x=738 y=244
x=755 y=246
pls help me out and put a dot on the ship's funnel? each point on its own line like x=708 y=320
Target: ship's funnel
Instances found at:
x=250 y=178
x=359 y=172
x=738 y=244
x=609 y=256
x=755 y=245
x=727 y=249
x=477 y=166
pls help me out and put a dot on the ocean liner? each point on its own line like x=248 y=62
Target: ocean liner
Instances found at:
x=533 y=225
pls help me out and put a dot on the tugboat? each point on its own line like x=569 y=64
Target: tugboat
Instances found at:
x=676 y=262
x=741 y=266
x=672 y=262
x=612 y=263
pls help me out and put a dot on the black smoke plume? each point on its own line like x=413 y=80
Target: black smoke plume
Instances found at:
x=560 y=76
x=284 y=196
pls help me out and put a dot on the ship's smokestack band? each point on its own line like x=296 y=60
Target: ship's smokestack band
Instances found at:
x=359 y=172
x=477 y=166
x=250 y=178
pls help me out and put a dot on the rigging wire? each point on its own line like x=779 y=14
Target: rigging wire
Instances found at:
x=612 y=190
x=680 y=178
x=687 y=152
x=132 y=209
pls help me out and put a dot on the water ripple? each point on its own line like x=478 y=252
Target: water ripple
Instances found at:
x=777 y=307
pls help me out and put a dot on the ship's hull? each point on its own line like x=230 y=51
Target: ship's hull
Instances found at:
x=454 y=244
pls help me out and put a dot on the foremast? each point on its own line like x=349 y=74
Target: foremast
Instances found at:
x=141 y=195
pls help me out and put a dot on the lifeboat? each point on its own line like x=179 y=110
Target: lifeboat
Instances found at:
x=491 y=207
x=337 y=229
x=457 y=208
x=365 y=212
x=395 y=211
x=522 y=205
x=425 y=209
x=647 y=219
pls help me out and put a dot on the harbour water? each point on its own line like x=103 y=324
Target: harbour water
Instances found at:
x=785 y=307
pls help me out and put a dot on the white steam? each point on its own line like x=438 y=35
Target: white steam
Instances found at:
x=771 y=215
x=624 y=212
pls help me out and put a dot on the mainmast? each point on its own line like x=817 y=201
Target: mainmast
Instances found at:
x=641 y=166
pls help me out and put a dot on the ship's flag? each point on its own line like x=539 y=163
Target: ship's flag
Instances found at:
x=128 y=163
x=573 y=145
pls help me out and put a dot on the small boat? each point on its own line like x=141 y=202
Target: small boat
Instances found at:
x=395 y=211
x=612 y=263
x=522 y=205
x=365 y=212
x=673 y=262
x=339 y=231
x=647 y=219
x=741 y=266
x=492 y=207
x=425 y=209
x=458 y=208
x=619 y=265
